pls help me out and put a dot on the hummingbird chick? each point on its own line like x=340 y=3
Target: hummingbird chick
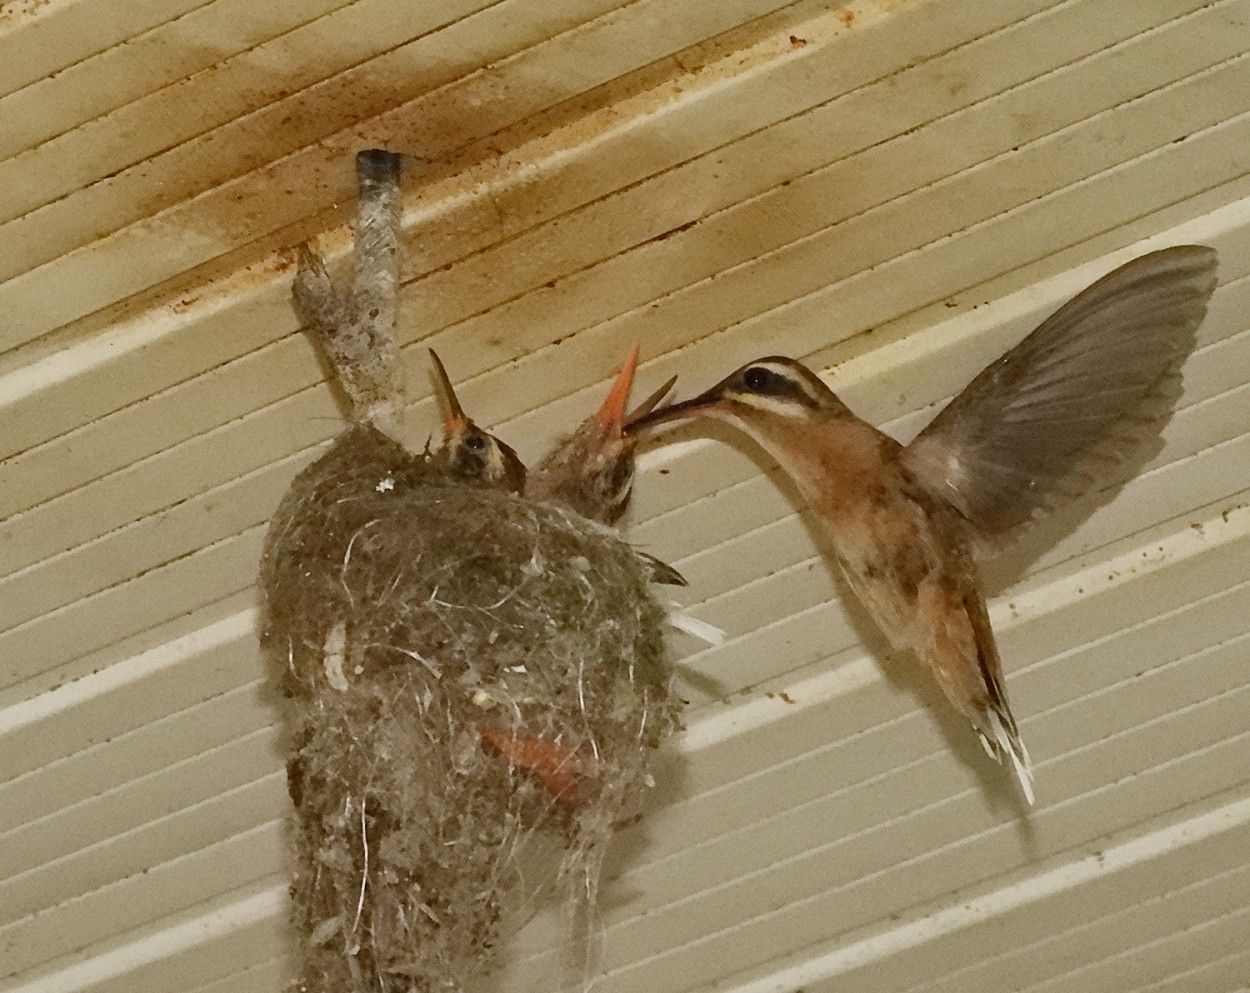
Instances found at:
x=470 y=454
x=592 y=470
x=1034 y=430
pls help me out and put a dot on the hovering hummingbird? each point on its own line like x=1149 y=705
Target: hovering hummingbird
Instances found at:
x=1034 y=430
x=469 y=453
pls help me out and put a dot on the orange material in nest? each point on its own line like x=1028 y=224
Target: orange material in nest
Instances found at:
x=557 y=767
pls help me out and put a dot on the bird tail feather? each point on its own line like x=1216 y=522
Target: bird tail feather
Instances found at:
x=995 y=724
x=1006 y=745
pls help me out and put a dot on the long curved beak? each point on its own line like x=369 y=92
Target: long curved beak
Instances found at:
x=649 y=404
x=685 y=410
x=611 y=416
x=455 y=418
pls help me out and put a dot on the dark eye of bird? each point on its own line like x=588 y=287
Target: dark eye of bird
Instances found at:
x=475 y=443
x=759 y=379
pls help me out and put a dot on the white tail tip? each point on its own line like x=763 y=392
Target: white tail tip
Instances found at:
x=1007 y=744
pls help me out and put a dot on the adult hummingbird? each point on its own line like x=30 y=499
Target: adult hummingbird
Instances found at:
x=470 y=454
x=1034 y=430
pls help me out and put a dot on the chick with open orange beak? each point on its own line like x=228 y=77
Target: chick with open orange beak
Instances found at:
x=592 y=470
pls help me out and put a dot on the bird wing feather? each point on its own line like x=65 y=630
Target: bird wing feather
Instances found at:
x=1080 y=394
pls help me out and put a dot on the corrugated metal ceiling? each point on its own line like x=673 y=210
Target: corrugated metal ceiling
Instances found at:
x=892 y=191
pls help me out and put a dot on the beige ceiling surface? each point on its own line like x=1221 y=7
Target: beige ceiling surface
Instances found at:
x=892 y=191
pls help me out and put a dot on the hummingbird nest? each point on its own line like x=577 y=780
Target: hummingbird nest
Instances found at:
x=476 y=681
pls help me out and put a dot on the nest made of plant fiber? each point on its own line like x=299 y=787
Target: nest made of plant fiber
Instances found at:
x=475 y=681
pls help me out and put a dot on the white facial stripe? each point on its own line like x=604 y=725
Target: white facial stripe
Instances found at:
x=780 y=368
x=774 y=405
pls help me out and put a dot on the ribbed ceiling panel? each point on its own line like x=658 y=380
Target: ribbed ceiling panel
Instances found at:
x=893 y=191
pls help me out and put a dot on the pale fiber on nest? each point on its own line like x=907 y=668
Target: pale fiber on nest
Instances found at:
x=409 y=611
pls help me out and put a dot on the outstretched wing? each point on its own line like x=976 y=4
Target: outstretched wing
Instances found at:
x=1080 y=394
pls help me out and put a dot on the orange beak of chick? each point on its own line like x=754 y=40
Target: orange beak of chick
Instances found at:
x=454 y=419
x=611 y=417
